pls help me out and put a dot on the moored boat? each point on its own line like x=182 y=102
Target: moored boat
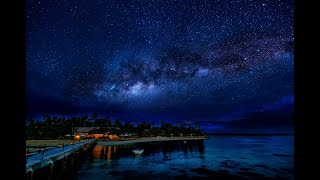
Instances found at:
x=137 y=151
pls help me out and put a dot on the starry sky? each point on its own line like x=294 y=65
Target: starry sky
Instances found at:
x=228 y=64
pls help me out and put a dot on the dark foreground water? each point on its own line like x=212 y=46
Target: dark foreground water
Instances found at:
x=218 y=157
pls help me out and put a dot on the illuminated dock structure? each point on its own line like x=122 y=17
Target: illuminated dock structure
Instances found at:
x=49 y=157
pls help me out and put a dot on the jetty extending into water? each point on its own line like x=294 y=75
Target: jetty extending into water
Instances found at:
x=48 y=157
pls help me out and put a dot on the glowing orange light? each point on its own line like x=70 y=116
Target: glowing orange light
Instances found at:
x=113 y=136
x=77 y=137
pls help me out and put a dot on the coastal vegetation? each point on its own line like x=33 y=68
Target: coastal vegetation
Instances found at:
x=54 y=127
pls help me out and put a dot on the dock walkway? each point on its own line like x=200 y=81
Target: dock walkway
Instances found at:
x=47 y=157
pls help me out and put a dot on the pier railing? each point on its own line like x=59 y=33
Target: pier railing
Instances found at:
x=40 y=160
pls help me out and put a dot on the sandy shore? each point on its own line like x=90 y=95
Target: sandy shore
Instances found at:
x=148 y=139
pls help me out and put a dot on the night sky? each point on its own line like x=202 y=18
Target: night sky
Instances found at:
x=225 y=63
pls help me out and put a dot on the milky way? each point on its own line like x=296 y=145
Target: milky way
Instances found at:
x=177 y=60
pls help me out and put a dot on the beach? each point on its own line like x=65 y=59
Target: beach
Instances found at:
x=147 y=139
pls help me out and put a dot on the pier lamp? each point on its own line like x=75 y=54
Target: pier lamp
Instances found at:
x=42 y=150
x=27 y=156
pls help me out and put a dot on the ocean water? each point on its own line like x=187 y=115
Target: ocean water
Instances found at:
x=217 y=157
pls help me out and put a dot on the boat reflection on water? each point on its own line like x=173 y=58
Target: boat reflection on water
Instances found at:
x=136 y=155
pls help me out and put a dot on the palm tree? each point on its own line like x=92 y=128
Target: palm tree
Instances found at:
x=141 y=128
x=84 y=118
x=94 y=116
x=118 y=124
x=96 y=122
x=47 y=119
x=128 y=127
x=106 y=122
x=198 y=125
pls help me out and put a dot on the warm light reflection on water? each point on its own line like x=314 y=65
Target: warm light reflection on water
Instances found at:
x=97 y=151
x=105 y=152
x=109 y=153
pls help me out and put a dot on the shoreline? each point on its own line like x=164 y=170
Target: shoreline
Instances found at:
x=148 y=139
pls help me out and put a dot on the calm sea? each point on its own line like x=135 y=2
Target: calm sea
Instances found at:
x=217 y=157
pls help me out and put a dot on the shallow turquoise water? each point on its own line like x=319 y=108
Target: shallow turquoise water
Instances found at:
x=219 y=157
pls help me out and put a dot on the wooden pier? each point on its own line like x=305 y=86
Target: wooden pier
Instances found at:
x=49 y=157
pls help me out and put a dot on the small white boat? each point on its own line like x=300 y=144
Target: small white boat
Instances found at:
x=137 y=151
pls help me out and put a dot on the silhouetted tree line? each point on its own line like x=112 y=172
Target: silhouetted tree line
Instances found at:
x=53 y=127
